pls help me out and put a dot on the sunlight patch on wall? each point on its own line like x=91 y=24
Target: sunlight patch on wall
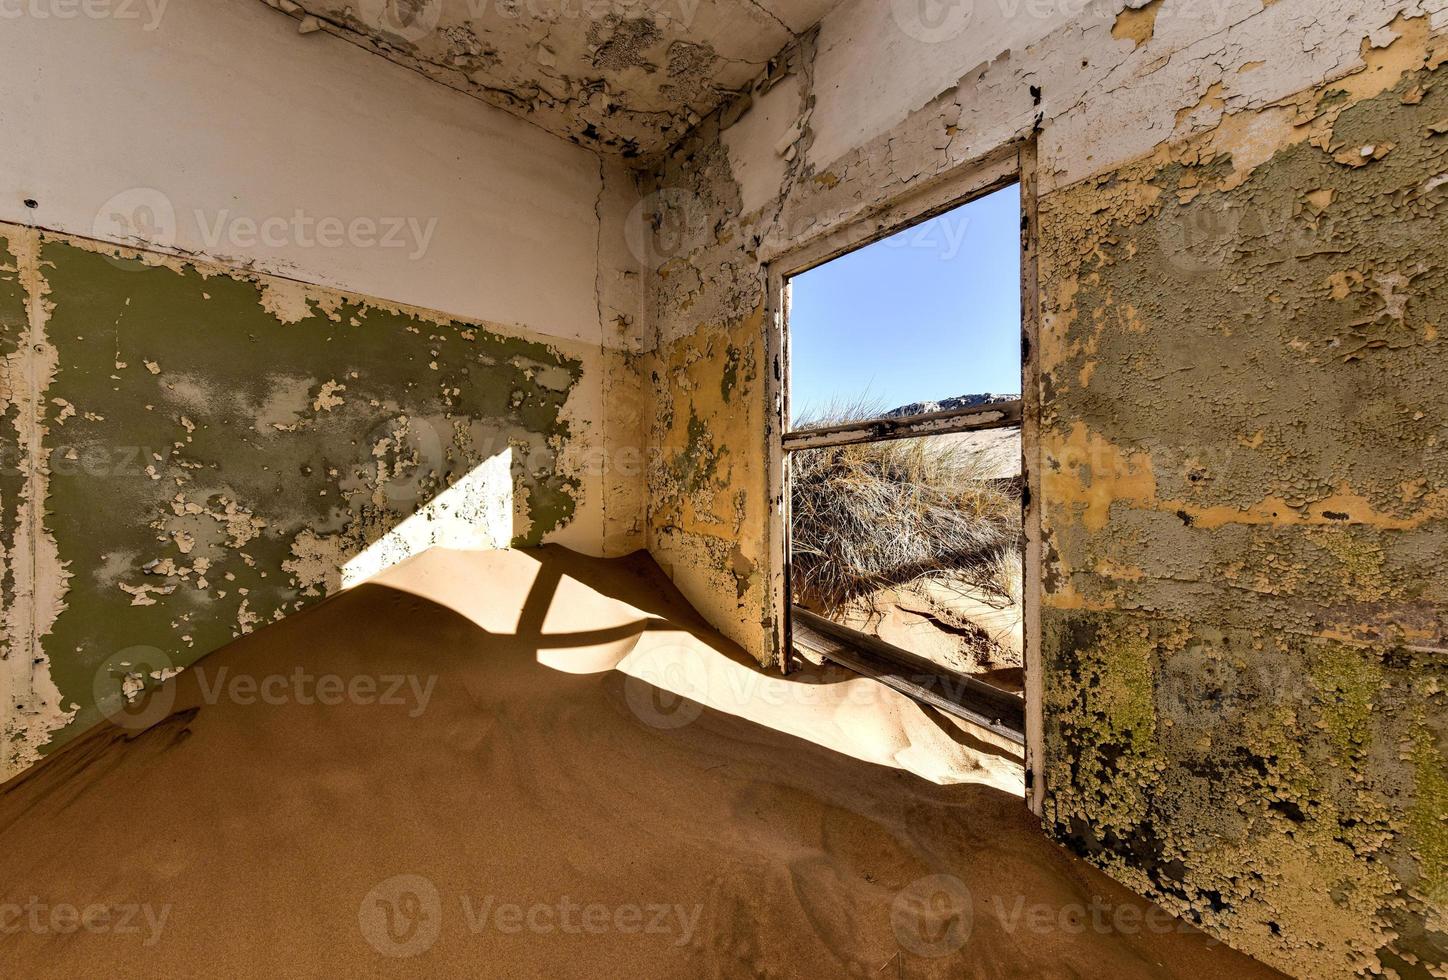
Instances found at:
x=474 y=514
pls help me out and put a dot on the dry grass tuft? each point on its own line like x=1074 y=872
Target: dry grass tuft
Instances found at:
x=890 y=513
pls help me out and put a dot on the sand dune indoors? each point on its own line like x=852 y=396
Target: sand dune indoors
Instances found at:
x=508 y=787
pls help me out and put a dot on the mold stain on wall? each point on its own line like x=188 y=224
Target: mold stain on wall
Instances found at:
x=1246 y=519
x=708 y=493
x=1244 y=481
x=192 y=454
x=625 y=78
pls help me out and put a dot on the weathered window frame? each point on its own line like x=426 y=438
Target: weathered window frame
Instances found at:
x=1011 y=164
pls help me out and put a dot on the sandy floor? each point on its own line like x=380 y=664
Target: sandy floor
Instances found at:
x=530 y=801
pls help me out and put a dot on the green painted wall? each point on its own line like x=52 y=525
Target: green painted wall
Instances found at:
x=1246 y=516
x=217 y=447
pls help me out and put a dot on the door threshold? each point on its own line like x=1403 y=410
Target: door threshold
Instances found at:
x=961 y=695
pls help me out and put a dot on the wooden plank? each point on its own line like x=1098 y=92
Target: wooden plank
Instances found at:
x=1031 y=469
x=965 y=697
x=778 y=528
x=1003 y=415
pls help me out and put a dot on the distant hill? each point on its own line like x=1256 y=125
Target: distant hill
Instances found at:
x=949 y=404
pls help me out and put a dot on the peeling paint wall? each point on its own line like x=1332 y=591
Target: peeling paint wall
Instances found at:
x=626 y=77
x=1243 y=469
x=1245 y=489
x=192 y=453
x=195 y=443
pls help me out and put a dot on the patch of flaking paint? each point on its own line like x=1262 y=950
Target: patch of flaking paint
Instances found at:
x=33 y=708
x=1137 y=23
x=285 y=300
x=328 y=397
x=316 y=563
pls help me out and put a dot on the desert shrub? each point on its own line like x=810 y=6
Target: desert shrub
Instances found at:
x=887 y=514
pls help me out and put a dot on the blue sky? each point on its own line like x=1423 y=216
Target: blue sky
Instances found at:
x=929 y=313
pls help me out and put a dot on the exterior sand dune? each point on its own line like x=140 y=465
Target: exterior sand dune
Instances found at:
x=478 y=765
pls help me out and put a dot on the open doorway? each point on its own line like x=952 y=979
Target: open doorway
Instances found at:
x=904 y=456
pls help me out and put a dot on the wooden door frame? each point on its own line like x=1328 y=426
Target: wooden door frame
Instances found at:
x=1014 y=163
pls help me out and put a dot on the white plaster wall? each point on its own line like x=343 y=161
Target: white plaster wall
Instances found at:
x=1104 y=100
x=880 y=60
x=754 y=143
x=221 y=107
x=888 y=109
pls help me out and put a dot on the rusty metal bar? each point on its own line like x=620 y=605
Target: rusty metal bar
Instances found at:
x=1003 y=415
x=958 y=694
